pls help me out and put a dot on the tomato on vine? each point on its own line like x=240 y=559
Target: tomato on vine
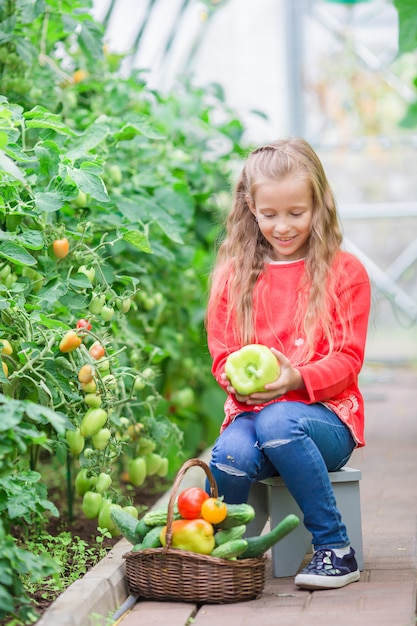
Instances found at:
x=70 y=341
x=85 y=374
x=106 y=313
x=61 y=247
x=97 y=351
x=84 y=324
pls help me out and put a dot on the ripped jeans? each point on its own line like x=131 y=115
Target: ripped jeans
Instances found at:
x=300 y=442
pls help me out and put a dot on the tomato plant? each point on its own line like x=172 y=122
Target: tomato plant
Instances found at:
x=190 y=502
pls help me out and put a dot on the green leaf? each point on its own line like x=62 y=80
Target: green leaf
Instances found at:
x=407 y=16
x=89 y=183
x=140 y=127
x=32 y=239
x=92 y=137
x=48 y=201
x=11 y=413
x=50 y=323
x=53 y=292
x=137 y=239
x=39 y=117
x=38 y=413
x=10 y=167
x=16 y=254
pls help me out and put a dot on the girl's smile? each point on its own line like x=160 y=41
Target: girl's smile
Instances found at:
x=284 y=210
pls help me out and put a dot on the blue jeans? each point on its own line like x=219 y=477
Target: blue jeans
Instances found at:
x=300 y=442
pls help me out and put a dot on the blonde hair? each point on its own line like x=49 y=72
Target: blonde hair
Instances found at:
x=244 y=250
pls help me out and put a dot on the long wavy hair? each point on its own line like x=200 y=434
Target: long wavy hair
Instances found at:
x=242 y=253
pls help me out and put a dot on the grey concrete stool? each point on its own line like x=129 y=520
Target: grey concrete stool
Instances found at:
x=271 y=499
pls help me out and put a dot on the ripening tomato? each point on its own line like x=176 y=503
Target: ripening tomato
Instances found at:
x=70 y=341
x=97 y=351
x=190 y=501
x=61 y=247
x=7 y=348
x=86 y=373
x=214 y=510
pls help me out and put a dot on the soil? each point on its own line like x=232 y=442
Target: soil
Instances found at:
x=86 y=530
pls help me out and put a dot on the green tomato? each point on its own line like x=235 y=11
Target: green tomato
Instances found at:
x=96 y=304
x=137 y=471
x=91 y=504
x=104 y=517
x=153 y=463
x=183 y=398
x=93 y=421
x=124 y=304
x=132 y=510
x=93 y=399
x=163 y=468
x=101 y=439
x=87 y=271
x=89 y=453
x=75 y=441
x=110 y=381
x=139 y=383
x=146 y=446
x=103 y=482
x=106 y=313
x=251 y=368
x=81 y=200
x=83 y=481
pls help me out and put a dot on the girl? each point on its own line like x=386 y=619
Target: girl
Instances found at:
x=282 y=280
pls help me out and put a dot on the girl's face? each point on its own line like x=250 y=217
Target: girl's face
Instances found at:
x=284 y=210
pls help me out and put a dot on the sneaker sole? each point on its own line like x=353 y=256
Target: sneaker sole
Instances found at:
x=311 y=581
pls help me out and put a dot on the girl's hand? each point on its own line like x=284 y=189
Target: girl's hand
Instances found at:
x=289 y=379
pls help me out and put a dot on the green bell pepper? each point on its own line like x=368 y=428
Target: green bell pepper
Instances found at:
x=251 y=368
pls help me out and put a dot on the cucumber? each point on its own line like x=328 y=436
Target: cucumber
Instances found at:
x=151 y=539
x=257 y=546
x=230 y=549
x=158 y=517
x=237 y=514
x=222 y=536
x=131 y=528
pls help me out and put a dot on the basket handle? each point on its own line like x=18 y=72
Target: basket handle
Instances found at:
x=175 y=487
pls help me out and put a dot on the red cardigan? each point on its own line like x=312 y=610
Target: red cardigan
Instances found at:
x=332 y=381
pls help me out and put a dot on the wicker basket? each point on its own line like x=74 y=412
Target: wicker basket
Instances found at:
x=178 y=575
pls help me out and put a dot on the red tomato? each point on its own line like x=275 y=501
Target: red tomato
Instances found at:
x=82 y=323
x=190 y=501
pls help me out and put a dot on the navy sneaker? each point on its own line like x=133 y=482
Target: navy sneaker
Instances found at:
x=327 y=571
